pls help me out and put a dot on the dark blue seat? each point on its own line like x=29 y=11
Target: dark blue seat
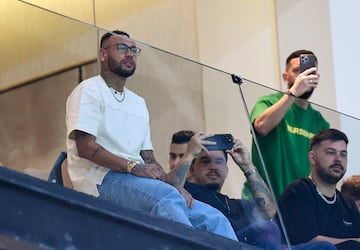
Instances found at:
x=55 y=175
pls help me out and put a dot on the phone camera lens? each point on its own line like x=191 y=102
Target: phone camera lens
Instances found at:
x=228 y=138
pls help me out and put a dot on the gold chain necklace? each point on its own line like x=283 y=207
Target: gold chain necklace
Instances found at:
x=116 y=93
x=226 y=205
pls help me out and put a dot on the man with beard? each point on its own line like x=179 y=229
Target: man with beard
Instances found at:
x=312 y=208
x=110 y=154
x=209 y=171
x=251 y=220
x=284 y=125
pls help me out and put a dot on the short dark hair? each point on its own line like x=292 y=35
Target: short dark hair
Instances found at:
x=351 y=187
x=297 y=54
x=328 y=134
x=182 y=136
x=109 y=34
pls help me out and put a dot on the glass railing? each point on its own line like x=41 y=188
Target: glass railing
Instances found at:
x=180 y=93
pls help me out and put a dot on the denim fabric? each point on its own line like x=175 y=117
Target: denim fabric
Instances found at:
x=264 y=234
x=320 y=245
x=161 y=199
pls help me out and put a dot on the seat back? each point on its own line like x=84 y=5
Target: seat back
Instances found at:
x=56 y=175
x=65 y=175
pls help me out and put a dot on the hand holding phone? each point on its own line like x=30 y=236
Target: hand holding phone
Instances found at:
x=223 y=142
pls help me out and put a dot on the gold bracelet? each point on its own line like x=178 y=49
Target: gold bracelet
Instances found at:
x=130 y=166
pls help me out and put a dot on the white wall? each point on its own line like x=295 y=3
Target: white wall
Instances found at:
x=329 y=28
x=304 y=24
x=237 y=37
x=344 y=25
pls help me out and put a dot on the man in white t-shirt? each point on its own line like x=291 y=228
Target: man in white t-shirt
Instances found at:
x=110 y=154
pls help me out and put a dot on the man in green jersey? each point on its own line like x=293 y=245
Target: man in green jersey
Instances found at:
x=284 y=125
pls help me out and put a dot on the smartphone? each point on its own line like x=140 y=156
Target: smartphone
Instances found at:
x=223 y=142
x=307 y=61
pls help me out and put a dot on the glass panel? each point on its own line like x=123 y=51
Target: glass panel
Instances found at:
x=43 y=57
x=253 y=91
x=37 y=35
x=82 y=10
x=54 y=53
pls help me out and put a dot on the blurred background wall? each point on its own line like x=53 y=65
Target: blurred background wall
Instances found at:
x=47 y=47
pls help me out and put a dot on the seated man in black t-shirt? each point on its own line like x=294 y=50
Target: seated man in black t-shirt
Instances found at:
x=312 y=208
x=251 y=220
x=209 y=171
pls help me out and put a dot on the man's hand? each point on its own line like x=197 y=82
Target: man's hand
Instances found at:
x=197 y=143
x=240 y=155
x=305 y=82
x=152 y=170
x=187 y=196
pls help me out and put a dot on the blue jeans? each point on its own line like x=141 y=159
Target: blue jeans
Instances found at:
x=161 y=199
x=320 y=245
x=266 y=234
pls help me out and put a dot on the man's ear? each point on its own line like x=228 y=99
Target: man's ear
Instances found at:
x=285 y=77
x=191 y=168
x=311 y=156
x=102 y=54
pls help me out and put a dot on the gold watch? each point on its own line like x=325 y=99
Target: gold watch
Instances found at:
x=130 y=166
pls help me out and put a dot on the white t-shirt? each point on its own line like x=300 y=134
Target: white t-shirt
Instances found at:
x=120 y=127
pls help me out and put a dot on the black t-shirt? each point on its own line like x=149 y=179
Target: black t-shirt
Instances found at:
x=240 y=213
x=307 y=215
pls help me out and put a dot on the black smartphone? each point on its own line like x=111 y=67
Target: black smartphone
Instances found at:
x=307 y=61
x=223 y=142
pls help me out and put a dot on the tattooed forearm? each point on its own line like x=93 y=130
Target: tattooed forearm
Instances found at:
x=262 y=196
x=257 y=186
x=177 y=176
x=98 y=150
x=148 y=156
x=181 y=173
x=261 y=203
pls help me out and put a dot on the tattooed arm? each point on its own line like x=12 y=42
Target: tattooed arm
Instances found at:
x=177 y=176
x=148 y=157
x=89 y=149
x=261 y=193
x=151 y=168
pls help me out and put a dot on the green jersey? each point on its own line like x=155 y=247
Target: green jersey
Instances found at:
x=285 y=149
